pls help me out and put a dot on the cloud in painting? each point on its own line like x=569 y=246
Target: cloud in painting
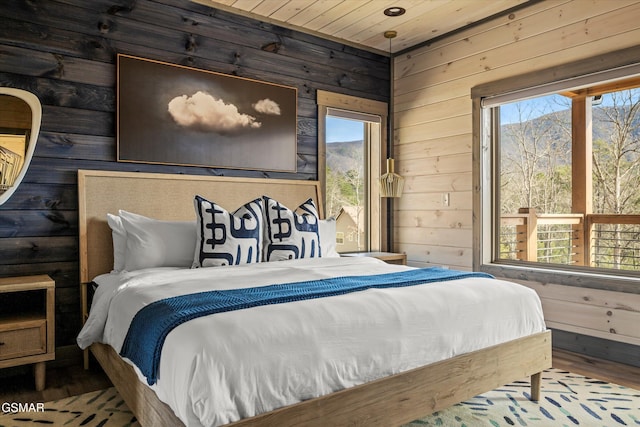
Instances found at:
x=267 y=106
x=206 y=112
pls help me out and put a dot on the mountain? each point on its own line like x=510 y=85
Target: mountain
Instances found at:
x=344 y=156
x=556 y=127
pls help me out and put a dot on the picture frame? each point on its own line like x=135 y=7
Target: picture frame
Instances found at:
x=177 y=115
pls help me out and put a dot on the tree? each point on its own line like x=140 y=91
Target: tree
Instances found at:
x=535 y=151
x=616 y=160
x=616 y=163
x=333 y=192
x=536 y=165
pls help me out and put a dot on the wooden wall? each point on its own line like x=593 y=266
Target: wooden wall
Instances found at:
x=594 y=312
x=433 y=133
x=64 y=51
x=432 y=108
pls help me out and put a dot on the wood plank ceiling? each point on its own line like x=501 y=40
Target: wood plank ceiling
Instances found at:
x=361 y=23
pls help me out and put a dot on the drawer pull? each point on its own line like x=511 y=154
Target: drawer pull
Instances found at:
x=1 y=343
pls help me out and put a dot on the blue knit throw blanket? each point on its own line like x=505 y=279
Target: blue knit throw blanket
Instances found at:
x=151 y=325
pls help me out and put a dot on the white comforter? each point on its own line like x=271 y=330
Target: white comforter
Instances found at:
x=220 y=368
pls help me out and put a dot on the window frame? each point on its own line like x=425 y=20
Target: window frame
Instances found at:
x=588 y=72
x=377 y=219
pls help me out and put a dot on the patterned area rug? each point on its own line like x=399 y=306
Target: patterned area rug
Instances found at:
x=567 y=400
x=102 y=408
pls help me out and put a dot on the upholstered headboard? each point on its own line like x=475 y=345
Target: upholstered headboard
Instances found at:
x=164 y=196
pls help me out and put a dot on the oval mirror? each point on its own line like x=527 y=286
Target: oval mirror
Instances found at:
x=20 y=116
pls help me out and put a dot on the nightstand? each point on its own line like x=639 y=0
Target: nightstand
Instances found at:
x=27 y=323
x=388 y=257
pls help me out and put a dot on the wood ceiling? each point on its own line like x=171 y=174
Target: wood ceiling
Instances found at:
x=361 y=23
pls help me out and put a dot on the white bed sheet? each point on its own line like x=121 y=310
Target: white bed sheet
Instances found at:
x=220 y=368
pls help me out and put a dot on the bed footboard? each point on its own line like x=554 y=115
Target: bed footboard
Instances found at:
x=388 y=401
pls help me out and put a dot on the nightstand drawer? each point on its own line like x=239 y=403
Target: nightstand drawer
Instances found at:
x=23 y=339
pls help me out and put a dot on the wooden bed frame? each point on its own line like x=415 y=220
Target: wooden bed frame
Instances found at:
x=385 y=402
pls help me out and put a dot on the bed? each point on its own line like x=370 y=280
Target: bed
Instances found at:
x=392 y=399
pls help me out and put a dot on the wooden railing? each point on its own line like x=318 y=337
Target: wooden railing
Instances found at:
x=608 y=241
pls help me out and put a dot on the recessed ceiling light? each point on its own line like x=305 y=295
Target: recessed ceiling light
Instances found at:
x=394 y=11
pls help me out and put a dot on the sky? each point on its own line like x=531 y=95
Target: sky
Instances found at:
x=533 y=108
x=341 y=130
x=542 y=105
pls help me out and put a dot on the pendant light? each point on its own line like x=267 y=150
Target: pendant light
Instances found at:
x=391 y=184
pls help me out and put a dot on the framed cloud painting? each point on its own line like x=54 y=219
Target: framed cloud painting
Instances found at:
x=172 y=114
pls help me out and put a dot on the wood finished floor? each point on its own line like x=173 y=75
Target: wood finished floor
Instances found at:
x=74 y=380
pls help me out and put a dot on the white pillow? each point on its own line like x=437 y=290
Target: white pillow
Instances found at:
x=119 y=238
x=289 y=234
x=224 y=238
x=157 y=243
x=327 y=232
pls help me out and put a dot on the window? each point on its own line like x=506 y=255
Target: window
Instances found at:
x=535 y=174
x=559 y=171
x=352 y=144
x=347 y=177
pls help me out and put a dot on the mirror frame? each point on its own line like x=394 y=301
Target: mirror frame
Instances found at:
x=36 y=118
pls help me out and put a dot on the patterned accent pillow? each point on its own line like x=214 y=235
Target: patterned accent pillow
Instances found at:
x=290 y=235
x=225 y=238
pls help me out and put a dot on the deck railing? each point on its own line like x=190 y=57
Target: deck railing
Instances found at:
x=607 y=241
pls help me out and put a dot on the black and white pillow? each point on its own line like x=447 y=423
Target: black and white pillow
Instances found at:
x=289 y=234
x=225 y=238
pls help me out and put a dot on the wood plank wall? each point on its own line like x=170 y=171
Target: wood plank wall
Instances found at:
x=433 y=128
x=64 y=51
x=432 y=109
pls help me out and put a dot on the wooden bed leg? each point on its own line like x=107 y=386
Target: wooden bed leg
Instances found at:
x=39 y=372
x=535 y=386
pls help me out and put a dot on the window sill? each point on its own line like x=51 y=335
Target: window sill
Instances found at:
x=583 y=279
